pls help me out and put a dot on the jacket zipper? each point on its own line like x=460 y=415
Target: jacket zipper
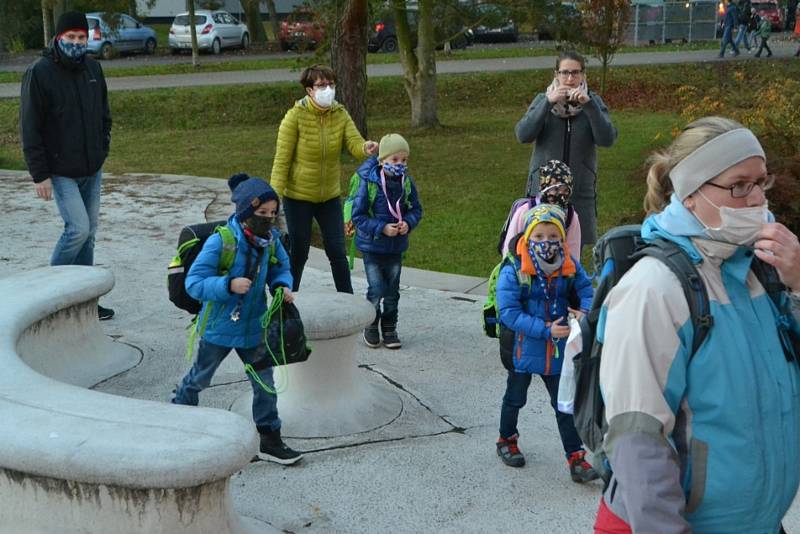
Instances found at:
x=548 y=352
x=324 y=145
x=567 y=140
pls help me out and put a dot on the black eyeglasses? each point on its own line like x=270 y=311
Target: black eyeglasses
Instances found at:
x=569 y=73
x=324 y=85
x=742 y=189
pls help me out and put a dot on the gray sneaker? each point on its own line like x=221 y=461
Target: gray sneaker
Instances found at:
x=509 y=452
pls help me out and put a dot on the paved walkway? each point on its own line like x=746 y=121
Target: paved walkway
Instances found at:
x=781 y=49
x=434 y=469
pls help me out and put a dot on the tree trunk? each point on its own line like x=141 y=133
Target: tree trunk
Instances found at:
x=349 y=59
x=252 y=9
x=273 y=19
x=423 y=101
x=193 y=29
x=132 y=9
x=47 y=18
x=419 y=66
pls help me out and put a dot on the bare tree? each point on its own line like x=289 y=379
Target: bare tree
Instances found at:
x=193 y=30
x=252 y=9
x=273 y=19
x=349 y=58
x=602 y=33
x=419 y=65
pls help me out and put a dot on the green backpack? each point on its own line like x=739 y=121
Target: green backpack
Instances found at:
x=372 y=193
x=491 y=313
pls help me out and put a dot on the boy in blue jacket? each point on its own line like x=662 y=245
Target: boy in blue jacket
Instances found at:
x=534 y=291
x=382 y=227
x=237 y=301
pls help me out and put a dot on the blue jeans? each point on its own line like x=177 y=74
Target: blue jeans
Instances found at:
x=742 y=37
x=329 y=216
x=209 y=356
x=727 y=34
x=517 y=395
x=78 y=202
x=383 y=276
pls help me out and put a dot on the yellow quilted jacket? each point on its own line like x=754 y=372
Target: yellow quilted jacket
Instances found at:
x=306 y=165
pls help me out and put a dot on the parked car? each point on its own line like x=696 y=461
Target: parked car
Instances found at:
x=301 y=30
x=562 y=22
x=118 y=33
x=383 y=34
x=215 y=30
x=496 y=25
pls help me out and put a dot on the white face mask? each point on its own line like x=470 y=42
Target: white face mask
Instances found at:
x=738 y=226
x=324 y=97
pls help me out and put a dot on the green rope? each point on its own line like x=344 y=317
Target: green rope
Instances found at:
x=275 y=307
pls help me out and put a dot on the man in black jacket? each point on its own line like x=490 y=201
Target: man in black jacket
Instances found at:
x=65 y=127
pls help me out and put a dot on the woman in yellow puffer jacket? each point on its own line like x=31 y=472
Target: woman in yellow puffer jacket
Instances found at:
x=305 y=172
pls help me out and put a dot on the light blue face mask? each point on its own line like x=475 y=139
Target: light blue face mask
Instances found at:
x=74 y=51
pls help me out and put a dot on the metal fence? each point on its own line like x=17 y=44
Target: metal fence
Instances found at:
x=662 y=22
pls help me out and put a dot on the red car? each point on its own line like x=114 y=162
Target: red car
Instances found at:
x=301 y=31
x=772 y=11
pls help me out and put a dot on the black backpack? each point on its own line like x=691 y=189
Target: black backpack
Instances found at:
x=614 y=254
x=190 y=243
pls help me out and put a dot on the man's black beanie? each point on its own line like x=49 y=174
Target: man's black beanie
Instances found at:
x=71 y=20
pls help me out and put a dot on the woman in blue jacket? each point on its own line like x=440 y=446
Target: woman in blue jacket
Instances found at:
x=234 y=303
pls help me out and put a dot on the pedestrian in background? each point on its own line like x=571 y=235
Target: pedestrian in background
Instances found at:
x=729 y=23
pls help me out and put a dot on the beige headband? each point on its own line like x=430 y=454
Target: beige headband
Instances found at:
x=712 y=158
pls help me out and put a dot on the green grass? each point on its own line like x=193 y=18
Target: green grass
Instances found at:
x=298 y=62
x=468 y=172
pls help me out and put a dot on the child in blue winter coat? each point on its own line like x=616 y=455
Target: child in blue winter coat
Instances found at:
x=385 y=210
x=235 y=303
x=534 y=291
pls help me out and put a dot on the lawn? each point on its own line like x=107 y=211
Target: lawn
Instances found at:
x=468 y=172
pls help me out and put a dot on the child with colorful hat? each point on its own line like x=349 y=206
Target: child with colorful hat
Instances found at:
x=538 y=286
x=386 y=209
x=555 y=187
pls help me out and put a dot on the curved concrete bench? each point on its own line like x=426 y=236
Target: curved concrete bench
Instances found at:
x=328 y=395
x=75 y=460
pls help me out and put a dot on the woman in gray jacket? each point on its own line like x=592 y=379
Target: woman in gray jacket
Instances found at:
x=566 y=122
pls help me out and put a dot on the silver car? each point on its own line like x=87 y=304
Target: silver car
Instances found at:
x=215 y=30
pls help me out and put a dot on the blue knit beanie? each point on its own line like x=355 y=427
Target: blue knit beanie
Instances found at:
x=249 y=193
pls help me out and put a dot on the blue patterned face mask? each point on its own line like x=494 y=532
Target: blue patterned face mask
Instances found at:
x=546 y=250
x=396 y=170
x=74 y=51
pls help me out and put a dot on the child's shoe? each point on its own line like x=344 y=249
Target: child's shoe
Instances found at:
x=273 y=449
x=390 y=338
x=509 y=452
x=371 y=336
x=579 y=469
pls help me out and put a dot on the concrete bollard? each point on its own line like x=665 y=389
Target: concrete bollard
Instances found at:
x=329 y=395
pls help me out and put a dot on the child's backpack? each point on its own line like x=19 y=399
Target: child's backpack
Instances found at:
x=372 y=193
x=190 y=243
x=530 y=202
x=614 y=254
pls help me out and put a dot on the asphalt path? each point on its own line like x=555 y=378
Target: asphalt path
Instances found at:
x=781 y=49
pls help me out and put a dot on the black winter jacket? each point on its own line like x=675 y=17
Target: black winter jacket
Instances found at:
x=64 y=119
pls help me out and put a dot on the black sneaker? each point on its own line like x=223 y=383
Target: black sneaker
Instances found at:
x=372 y=337
x=104 y=313
x=273 y=449
x=390 y=338
x=579 y=469
x=509 y=452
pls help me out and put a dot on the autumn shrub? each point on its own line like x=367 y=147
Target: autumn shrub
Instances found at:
x=773 y=114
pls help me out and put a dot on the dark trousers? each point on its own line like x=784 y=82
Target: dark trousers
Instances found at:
x=763 y=46
x=383 y=275
x=517 y=395
x=299 y=214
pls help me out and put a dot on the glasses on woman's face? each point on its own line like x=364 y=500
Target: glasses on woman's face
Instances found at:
x=323 y=85
x=742 y=189
x=566 y=74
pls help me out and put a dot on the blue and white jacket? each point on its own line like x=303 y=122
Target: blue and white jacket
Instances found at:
x=204 y=284
x=710 y=445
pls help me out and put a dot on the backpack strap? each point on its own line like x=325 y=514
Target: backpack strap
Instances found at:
x=372 y=194
x=407 y=192
x=771 y=281
x=694 y=289
x=228 y=255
